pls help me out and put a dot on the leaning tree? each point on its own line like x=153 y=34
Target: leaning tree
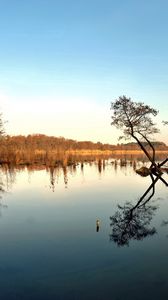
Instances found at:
x=135 y=120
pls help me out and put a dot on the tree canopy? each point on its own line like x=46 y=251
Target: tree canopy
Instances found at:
x=133 y=117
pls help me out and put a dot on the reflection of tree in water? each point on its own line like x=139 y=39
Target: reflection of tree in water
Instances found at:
x=55 y=173
x=2 y=191
x=130 y=223
x=9 y=175
x=133 y=221
x=52 y=178
x=101 y=163
x=100 y=166
x=65 y=176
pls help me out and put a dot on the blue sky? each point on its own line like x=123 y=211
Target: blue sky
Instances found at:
x=63 y=62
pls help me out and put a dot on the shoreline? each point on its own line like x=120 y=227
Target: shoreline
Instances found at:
x=72 y=157
x=111 y=152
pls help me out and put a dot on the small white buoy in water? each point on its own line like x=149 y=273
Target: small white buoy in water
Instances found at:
x=97 y=225
x=98 y=222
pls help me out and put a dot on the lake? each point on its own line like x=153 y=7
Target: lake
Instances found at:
x=63 y=235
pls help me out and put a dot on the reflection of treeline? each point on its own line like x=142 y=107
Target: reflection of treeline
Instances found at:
x=58 y=171
x=49 y=150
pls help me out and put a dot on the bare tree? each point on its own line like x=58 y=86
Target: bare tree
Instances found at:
x=135 y=120
x=1 y=126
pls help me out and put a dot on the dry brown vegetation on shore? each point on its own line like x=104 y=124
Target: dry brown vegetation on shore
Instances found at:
x=51 y=151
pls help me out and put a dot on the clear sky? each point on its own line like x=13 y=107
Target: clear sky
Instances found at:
x=63 y=62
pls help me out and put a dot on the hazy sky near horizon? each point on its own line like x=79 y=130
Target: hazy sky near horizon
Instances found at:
x=63 y=62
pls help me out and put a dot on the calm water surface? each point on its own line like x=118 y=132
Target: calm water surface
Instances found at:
x=51 y=248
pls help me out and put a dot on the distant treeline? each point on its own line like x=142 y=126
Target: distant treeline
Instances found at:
x=44 y=142
x=39 y=148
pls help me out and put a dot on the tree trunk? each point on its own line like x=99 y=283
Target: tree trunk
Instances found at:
x=144 y=150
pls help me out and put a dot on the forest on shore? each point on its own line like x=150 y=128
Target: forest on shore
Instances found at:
x=50 y=150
